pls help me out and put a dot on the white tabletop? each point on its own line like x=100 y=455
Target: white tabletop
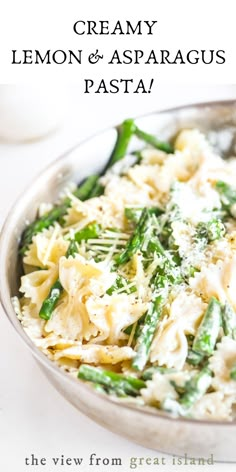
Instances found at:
x=34 y=418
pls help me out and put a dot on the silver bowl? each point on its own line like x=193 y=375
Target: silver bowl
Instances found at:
x=145 y=426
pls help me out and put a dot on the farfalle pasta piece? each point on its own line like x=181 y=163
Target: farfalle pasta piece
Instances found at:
x=80 y=279
x=217 y=280
x=193 y=142
x=221 y=363
x=70 y=319
x=104 y=210
x=77 y=272
x=158 y=389
x=53 y=341
x=123 y=191
x=96 y=354
x=170 y=346
x=36 y=285
x=46 y=249
x=32 y=324
x=213 y=406
x=111 y=315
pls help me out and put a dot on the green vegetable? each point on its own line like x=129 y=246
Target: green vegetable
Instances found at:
x=165 y=276
x=229 y=320
x=125 y=133
x=91 y=231
x=136 y=240
x=133 y=214
x=147 y=333
x=121 y=283
x=210 y=231
x=153 y=141
x=145 y=236
x=99 y=388
x=148 y=329
x=138 y=328
x=228 y=196
x=233 y=372
x=154 y=246
x=72 y=249
x=50 y=302
x=194 y=358
x=86 y=188
x=196 y=388
x=116 y=383
x=45 y=222
x=208 y=331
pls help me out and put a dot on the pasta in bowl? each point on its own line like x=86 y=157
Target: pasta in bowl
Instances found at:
x=142 y=255
x=129 y=279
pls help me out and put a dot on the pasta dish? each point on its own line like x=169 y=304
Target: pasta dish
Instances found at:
x=130 y=278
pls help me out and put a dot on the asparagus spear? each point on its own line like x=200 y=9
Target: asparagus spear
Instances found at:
x=148 y=329
x=228 y=197
x=48 y=305
x=125 y=133
x=117 y=383
x=91 y=187
x=233 y=372
x=121 y=283
x=47 y=220
x=99 y=388
x=210 y=231
x=154 y=246
x=138 y=328
x=56 y=290
x=143 y=235
x=85 y=189
x=150 y=139
x=205 y=339
x=133 y=214
x=72 y=249
x=196 y=388
x=90 y=231
x=194 y=358
x=50 y=302
x=229 y=320
x=136 y=240
x=165 y=276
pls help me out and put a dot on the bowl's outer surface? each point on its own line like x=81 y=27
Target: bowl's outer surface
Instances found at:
x=144 y=426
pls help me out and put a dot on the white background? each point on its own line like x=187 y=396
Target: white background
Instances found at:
x=33 y=416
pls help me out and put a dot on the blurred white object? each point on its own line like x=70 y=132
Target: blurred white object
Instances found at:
x=30 y=112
